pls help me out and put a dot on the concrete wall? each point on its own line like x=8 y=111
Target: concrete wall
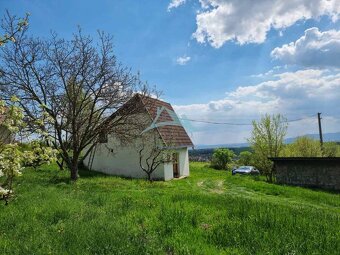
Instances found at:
x=309 y=172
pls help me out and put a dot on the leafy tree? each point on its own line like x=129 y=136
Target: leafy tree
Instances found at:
x=221 y=158
x=246 y=158
x=331 y=149
x=267 y=141
x=303 y=147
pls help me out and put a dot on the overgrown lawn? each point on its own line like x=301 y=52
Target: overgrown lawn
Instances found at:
x=211 y=212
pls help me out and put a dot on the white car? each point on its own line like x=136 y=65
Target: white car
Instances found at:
x=245 y=170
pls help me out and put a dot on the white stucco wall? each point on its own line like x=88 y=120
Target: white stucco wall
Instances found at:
x=168 y=171
x=183 y=161
x=123 y=161
x=116 y=159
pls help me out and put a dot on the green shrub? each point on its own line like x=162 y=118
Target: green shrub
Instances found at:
x=246 y=158
x=221 y=158
x=303 y=147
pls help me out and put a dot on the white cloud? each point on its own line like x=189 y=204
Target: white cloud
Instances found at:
x=183 y=60
x=175 y=4
x=314 y=49
x=294 y=94
x=249 y=21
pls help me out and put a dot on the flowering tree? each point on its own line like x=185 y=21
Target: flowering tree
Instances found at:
x=12 y=121
x=10 y=166
x=39 y=154
x=10 y=155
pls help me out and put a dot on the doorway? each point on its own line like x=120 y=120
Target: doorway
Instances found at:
x=175 y=165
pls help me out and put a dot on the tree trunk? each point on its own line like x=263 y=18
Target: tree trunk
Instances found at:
x=149 y=177
x=74 y=168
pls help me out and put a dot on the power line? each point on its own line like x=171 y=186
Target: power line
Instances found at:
x=238 y=124
x=217 y=123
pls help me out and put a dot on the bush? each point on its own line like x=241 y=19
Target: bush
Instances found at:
x=303 y=147
x=331 y=149
x=221 y=158
x=246 y=158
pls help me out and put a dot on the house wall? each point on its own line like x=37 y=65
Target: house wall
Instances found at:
x=113 y=159
x=310 y=172
x=168 y=171
x=121 y=161
x=183 y=161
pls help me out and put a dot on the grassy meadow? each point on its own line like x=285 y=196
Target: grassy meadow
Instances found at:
x=211 y=212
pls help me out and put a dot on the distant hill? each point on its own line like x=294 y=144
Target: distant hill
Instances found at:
x=214 y=146
x=327 y=137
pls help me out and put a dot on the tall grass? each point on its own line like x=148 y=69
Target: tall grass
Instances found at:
x=210 y=212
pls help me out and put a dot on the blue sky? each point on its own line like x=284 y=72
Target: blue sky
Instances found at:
x=217 y=60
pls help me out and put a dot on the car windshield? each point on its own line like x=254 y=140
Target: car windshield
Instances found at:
x=244 y=168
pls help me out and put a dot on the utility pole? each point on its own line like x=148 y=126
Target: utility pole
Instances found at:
x=320 y=129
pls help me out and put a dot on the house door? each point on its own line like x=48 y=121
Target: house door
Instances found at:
x=175 y=165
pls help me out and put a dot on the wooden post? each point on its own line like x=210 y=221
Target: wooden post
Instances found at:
x=320 y=129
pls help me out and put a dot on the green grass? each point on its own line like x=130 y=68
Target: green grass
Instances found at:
x=210 y=212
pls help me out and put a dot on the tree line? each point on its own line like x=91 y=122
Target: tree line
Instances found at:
x=267 y=141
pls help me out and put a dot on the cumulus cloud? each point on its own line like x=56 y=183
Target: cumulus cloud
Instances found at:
x=249 y=21
x=183 y=60
x=313 y=49
x=175 y=4
x=294 y=94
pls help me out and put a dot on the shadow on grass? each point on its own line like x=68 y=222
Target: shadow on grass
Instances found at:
x=85 y=173
x=310 y=188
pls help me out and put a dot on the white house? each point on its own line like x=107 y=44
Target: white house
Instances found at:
x=163 y=129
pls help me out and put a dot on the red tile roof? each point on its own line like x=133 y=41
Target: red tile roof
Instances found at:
x=172 y=133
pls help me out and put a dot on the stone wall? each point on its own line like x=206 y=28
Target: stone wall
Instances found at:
x=309 y=172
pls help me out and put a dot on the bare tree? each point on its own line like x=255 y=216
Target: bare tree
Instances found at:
x=71 y=90
x=152 y=152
